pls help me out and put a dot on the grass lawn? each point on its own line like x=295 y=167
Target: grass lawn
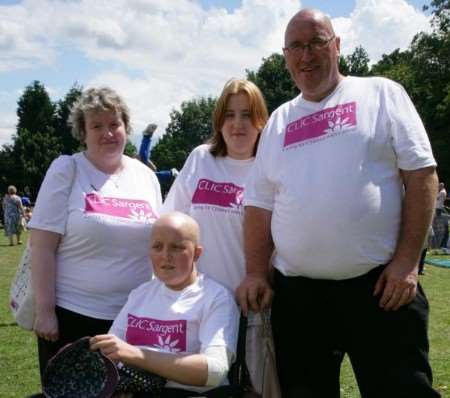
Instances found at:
x=18 y=359
x=19 y=375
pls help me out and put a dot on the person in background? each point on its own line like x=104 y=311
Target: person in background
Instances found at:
x=27 y=214
x=363 y=140
x=13 y=212
x=144 y=155
x=210 y=188
x=26 y=202
x=199 y=315
x=440 y=200
x=441 y=218
x=90 y=227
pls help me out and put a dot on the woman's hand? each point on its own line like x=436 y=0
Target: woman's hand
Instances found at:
x=46 y=325
x=114 y=348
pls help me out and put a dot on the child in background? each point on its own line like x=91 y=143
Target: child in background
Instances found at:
x=27 y=214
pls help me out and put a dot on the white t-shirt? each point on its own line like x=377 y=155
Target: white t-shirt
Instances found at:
x=105 y=222
x=329 y=173
x=210 y=189
x=188 y=321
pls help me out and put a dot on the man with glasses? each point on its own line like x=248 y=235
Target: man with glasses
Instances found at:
x=348 y=163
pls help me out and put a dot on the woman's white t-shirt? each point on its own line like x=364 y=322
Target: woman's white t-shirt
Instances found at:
x=105 y=223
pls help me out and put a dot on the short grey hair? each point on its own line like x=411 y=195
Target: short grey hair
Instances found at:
x=12 y=190
x=97 y=99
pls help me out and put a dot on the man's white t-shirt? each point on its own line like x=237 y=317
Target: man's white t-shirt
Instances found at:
x=211 y=189
x=329 y=173
x=105 y=223
x=189 y=321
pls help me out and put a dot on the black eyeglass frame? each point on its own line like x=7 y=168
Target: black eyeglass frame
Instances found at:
x=298 y=49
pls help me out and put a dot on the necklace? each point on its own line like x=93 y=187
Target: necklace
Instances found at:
x=114 y=177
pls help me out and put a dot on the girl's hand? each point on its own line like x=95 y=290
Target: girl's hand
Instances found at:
x=114 y=348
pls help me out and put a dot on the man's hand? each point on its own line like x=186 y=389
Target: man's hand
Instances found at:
x=397 y=285
x=254 y=293
x=114 y=348
x=398 y=282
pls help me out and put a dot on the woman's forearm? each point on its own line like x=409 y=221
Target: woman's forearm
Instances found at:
x=43 y=268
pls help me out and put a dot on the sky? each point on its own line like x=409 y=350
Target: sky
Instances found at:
x=159 y=53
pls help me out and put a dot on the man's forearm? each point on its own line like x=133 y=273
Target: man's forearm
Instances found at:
x=258 y=243
x=418 y=207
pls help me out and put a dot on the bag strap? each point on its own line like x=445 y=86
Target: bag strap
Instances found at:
x=74 y=174
x=242 y=338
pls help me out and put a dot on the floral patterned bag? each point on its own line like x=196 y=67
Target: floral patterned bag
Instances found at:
x=135 y=380
x=76 y=371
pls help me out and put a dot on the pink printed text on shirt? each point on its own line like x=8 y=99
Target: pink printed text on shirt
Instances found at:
x=169 y=336
x=225 y=194
x=325 y=122
x=119 y=207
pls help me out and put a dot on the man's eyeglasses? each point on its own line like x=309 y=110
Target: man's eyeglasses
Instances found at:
x=298 y=49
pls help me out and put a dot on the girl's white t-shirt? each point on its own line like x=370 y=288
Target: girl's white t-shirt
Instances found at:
x=211 y=189
x=105 y=223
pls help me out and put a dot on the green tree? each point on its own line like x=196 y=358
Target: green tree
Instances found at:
x=62 y=112
x=431 y=62
x=35 y=145
x=35 y=109
x=424 y=71
x=130 y=149
x=34 y=152
x=8 y=170
x=343 y=65
x=397 y=66
x=441 y=14
x=274 y=81
x=188 y=128
x=357 y=62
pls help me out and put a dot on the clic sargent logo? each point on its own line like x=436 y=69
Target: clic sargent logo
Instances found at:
x=328 y=121
x=169 y=336
x=134 y=209
x=224 y=194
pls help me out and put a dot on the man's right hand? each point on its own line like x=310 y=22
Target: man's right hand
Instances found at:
x=254 y=293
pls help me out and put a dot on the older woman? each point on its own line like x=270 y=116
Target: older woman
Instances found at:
x=13 y=211
x=210 y=188
x=90 y=227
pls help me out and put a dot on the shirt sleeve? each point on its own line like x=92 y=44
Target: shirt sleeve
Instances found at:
x=219 y=361
x=259 y=189
x=220 y=323
x=178 y=198
x=410 y=140
x=51 y=208
x=120 y=324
